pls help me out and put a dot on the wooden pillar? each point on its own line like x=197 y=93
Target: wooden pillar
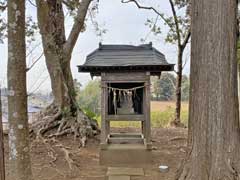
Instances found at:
x=105 y=125
x=143 y=124
x=2 y=164
x=147 y=112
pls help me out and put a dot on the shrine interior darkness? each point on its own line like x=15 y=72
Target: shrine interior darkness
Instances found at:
x=124 y=99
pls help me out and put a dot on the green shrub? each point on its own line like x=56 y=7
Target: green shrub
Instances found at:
x=89 y=97
x=89 y=113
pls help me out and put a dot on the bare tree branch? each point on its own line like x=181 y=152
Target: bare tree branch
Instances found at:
x=33 y=49
x=66 y=3
x=32 y=3
x=155 y=22
x=149 y=8
x=186 y=39
x=176 y=22
x=40 y=84
x=77 y=26
x=37 y=80
x=173 y=83
x=29 y=68
x=184 y=64
x=3 y=7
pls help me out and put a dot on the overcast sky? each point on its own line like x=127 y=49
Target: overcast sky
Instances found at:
x=125 y=24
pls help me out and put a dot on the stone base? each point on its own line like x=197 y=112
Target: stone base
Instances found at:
x=118 y=155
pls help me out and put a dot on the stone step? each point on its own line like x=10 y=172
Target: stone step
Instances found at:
x=135 y=135
x=125 y=140
x=124 y=171
x=125 y=155
x=119 y=178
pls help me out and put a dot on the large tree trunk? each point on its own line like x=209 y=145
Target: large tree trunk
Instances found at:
x=57 y=50
x=51 y=24
x=215 y=137
x=177 y=121
x=238 y=82
x=2 y=162
x=238 y=59
x=19 y=149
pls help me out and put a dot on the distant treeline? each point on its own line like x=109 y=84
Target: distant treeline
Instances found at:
x=163 y=89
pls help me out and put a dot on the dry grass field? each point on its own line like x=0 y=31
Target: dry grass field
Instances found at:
x=165 y=105
x=162 y=113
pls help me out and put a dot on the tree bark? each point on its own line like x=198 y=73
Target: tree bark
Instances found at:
x=214 y=145
x=2 y=162
x=51 y=24
x=19 y=149
x=181 y=47
x=57 y=49
x=65 y=115
x=238 y=82
x=177 y=120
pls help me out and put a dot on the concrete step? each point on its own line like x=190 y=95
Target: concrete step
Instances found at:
x=125 y=140
x=134 y=135
x=119 y=178
x=125 y=154
x=119 y=171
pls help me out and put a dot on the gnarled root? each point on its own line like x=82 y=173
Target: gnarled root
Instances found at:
x=52 y=123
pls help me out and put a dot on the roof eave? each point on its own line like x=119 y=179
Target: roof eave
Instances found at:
x=133 y=68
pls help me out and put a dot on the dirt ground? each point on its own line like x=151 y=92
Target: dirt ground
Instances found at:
x=50 y=162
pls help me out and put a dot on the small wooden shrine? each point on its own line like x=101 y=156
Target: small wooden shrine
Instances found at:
x=125 y=72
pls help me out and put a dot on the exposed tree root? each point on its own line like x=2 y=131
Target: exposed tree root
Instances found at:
x=50 y=150
x=52 y=146
x=68 y=158
x=52 y=122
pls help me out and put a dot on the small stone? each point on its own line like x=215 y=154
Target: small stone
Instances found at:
x=154 y=148
x=163 y=168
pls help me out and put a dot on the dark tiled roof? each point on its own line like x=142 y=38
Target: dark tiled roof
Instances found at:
x=118 y=56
